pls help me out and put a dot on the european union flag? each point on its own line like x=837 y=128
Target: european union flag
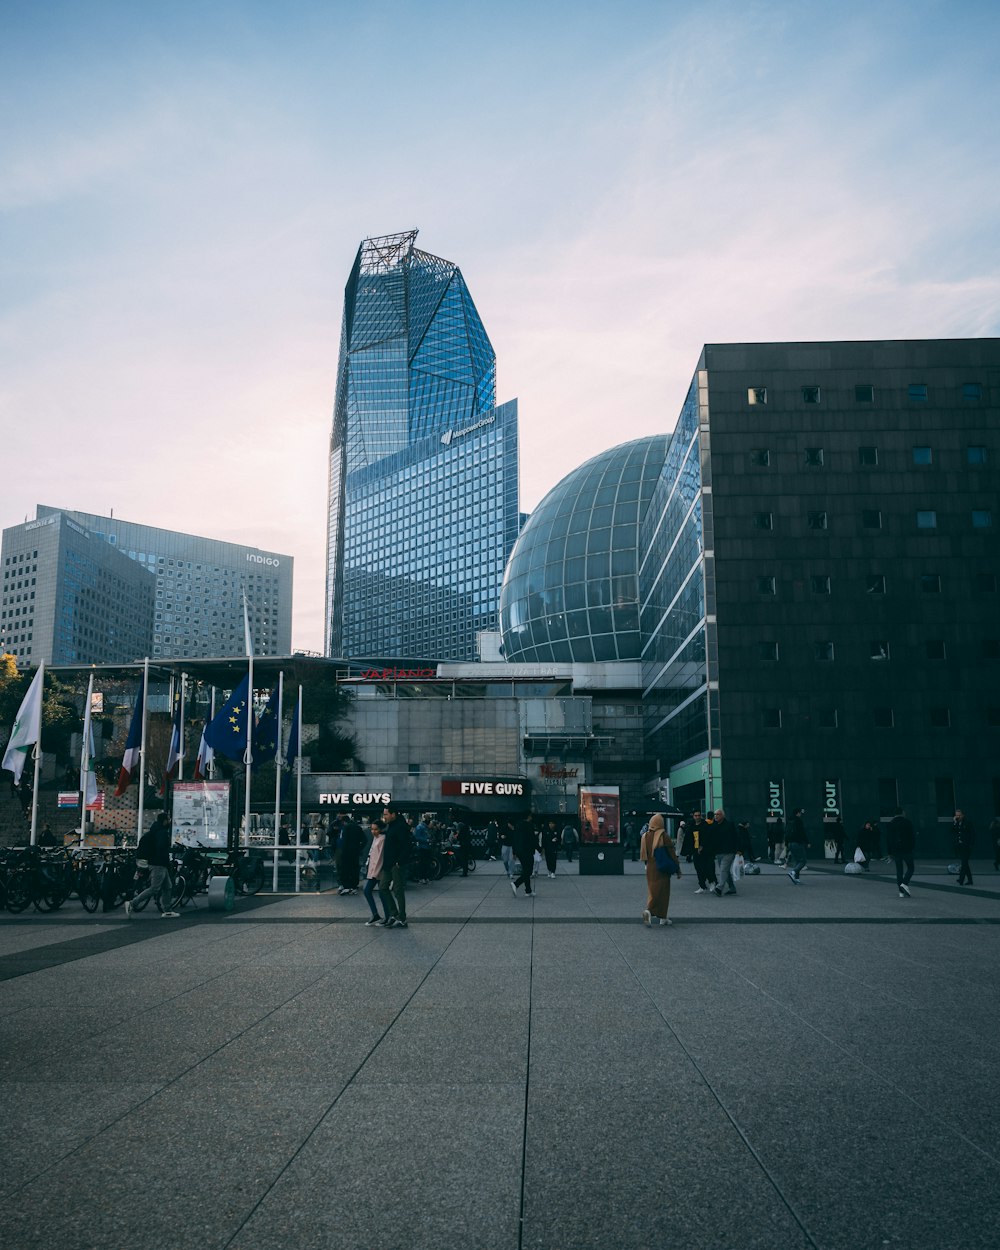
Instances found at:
x=227 y=732
x=265 y=734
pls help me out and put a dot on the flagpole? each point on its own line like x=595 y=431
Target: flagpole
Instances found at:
x=248 y=755
x=298 y=786
x=85 y=760
x=37 y=757
x=277 y=785
x=180 y=744
x=211 y=717
x=142 y=746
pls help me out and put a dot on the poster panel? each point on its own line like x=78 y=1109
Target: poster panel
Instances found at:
x=201 y=813
x=599 y=815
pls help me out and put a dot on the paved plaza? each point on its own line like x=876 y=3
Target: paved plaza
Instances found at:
x=811 y=1066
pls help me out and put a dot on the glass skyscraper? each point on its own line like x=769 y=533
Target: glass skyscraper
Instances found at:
x=423 y=509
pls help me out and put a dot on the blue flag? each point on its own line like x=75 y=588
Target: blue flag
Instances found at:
x=265 y=734
x=227 y=732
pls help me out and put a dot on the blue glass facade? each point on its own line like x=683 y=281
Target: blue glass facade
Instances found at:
x=676 y=589
x=571 y=591
x=423 y=466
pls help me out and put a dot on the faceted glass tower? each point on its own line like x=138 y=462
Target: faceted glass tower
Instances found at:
x=423 y=466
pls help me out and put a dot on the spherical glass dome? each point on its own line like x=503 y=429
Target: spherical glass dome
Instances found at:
x=571 y=588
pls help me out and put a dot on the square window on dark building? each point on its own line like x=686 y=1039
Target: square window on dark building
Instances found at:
x=757 y=395
x=814 y=457
x=926 y=520
x=760 y=456
x=971 y=391
x=993 y=716
x=826 y=718
x=810 y=394
x=935 y=649
x=864 y=393
x=770 y=718
x=816 y=520
x=923 y=455
x=822 y=650
x=763 y=521
x=930 y=583
x=868 y=456
x=991 y=648
x=871 y=519
x=940 y=717
x=878 y=649
x=820 y=584
x=976 y=455
x=917 y=392
x=882 y=717
x=767 y=650
x=766 y=585
x=982 y=519
x=985 y=583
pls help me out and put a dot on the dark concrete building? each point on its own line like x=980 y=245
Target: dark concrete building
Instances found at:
x=819 y=584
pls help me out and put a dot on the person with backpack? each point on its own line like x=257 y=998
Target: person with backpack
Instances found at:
x=965 y=839
x=154 y=850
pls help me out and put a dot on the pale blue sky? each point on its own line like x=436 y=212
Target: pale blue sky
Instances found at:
x=183 y=187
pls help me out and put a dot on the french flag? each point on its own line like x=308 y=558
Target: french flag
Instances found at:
x=204 y=760
x=174 y=751
x=133 y=744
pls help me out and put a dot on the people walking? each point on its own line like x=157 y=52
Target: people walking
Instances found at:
x=551 y=838
x=492 y=841
x=374 y=870
x=154 y=849
x=798 y=844
x=703 y=854
x=395 y=863
x=900 y=841
x=422 y=849
x=507 y=849
x=867 y=844
x=657 y=879
x=965 y=840
x=464 y=836
x=726 y=840
x=349 y=862
x=569 y=841
x=524 y=843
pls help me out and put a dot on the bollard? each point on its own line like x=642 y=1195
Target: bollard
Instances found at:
x=221 y=894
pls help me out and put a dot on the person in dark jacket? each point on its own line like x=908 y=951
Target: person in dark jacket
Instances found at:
x=965 y=840
x=550 y=846
x=524 y=843
x=726 y=844
x=703 y=851
x=464 y=835
x=395 y=863
x=154 y=848
x=775 y=837
x=352 y=839
x=798 y=844
x=900 y=841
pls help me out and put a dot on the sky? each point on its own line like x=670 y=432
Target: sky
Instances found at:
x=184 y=186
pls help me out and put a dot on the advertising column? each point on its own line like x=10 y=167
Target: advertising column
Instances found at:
x=776 y=820
x=600 y=831
x=833 y=826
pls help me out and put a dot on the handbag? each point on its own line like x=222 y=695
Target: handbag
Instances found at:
x=664 y=862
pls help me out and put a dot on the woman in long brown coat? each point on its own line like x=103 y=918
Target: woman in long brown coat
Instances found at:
x=658 y=883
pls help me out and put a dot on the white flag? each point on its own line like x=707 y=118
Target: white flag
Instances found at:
x=27 y=728
x=247 y=636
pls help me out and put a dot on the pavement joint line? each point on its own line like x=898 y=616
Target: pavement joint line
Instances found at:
x=374 y=936
x=178 y=1077
x=714 y=1093
x=527 y=1092
x=898 y=1090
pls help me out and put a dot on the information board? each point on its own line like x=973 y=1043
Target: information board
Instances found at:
x=201 y=813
